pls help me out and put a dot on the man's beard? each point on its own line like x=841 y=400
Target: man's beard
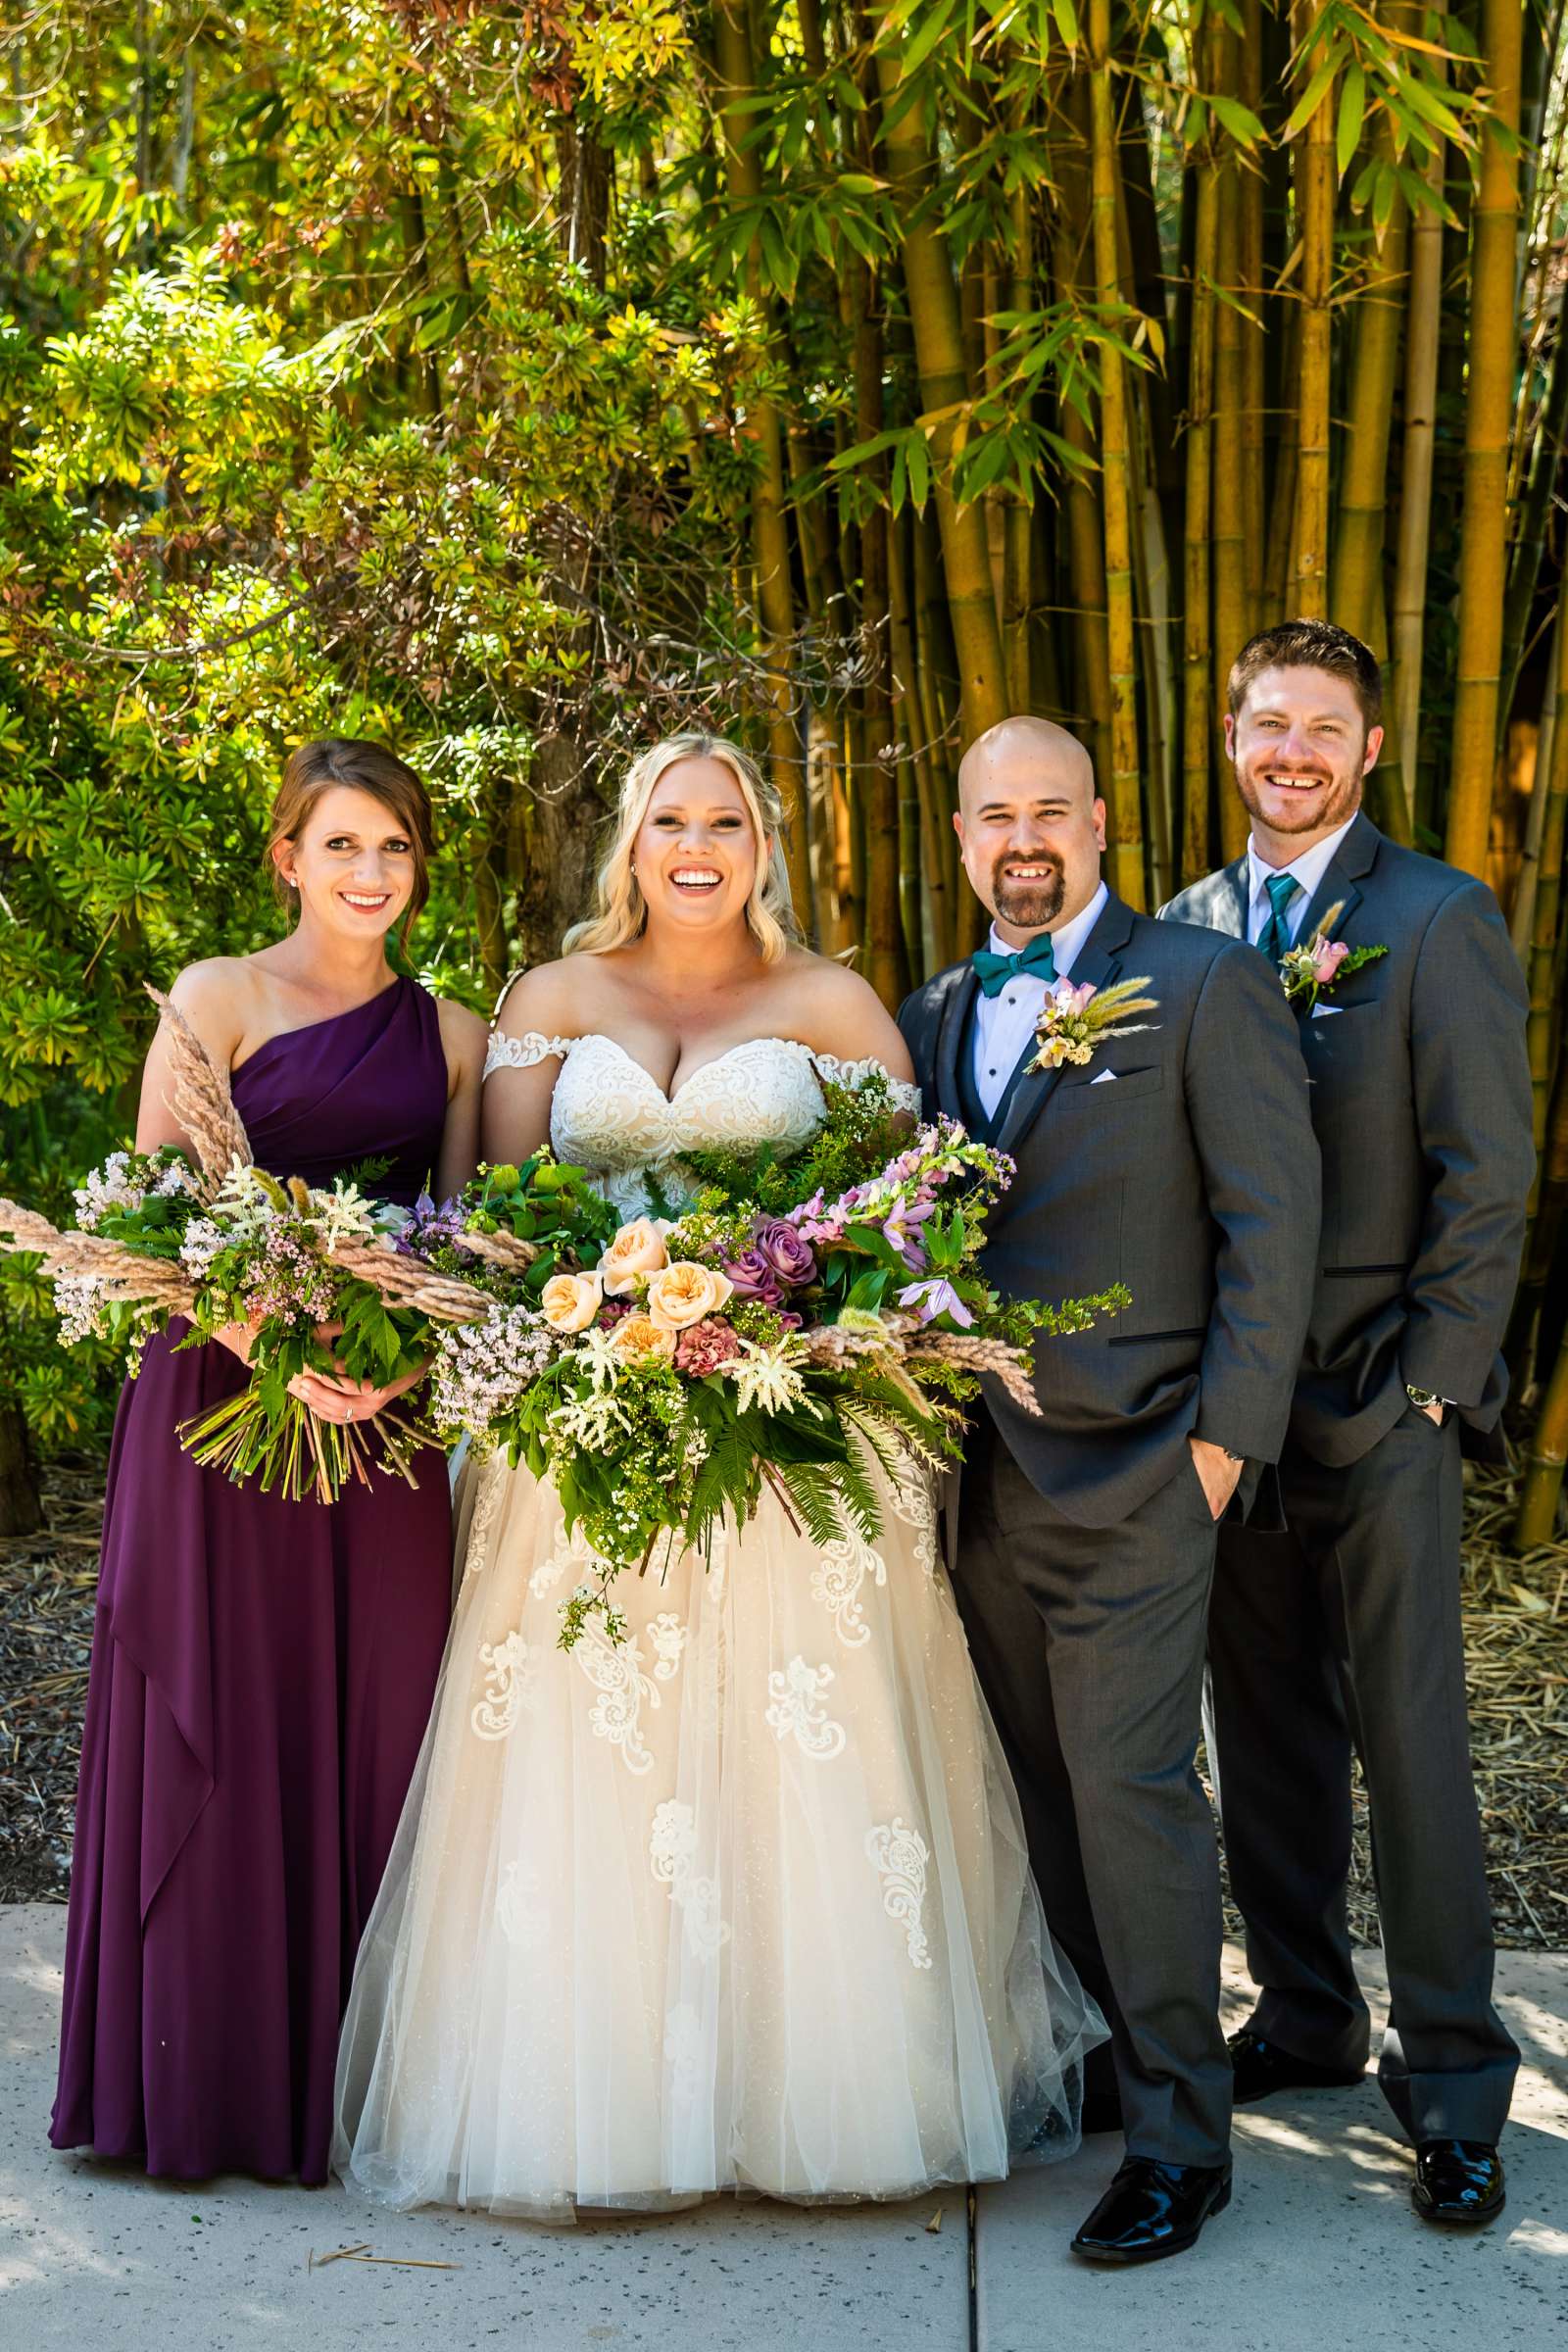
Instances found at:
x=1342 y=800
x=1029 y=906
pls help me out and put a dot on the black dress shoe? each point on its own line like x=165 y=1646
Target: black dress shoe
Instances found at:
x=1153 y=2208
x=1261 y=2067
x=1102 y=2113
x=1457 y=2181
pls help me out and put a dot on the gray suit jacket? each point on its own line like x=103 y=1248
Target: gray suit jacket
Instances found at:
x=1192 y=1178
x=1420 y=1093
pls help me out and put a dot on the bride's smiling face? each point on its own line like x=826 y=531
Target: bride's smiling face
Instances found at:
x=696 y=851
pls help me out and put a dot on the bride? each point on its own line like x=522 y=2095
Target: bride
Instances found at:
x=744 y=1902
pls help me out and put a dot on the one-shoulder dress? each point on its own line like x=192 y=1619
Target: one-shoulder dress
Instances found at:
x=261 y=1675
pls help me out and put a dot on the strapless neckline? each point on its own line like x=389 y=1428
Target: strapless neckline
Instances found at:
x=746 y=1044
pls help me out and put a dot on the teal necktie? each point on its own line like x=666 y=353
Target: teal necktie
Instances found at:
x=994 y=972
x=1275 y=939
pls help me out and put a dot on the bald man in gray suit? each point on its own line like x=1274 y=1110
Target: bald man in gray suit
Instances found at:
x=1179 y=1161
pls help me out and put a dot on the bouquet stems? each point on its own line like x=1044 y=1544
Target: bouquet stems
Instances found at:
x=298 y=1452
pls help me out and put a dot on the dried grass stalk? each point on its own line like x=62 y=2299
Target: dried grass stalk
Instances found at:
x=202 y=1100
x=500 y=1249
x=1008 y=1365
x=408 y=1282
x=125 y=1273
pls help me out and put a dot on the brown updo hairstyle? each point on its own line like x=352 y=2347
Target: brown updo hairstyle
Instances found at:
x=315 y=768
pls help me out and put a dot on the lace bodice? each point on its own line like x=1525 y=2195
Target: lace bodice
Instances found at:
x=609 y=1114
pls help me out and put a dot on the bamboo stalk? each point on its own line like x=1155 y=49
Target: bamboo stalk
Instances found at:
x=1483 y=544
x=1196 y=635
x=1155 y=646
x=1356 y=574
x=1522 y=913
x=1424 y=320
x=1231 y=623
x=885 y=965
x=1017 y=520
x=1123 y=799
x=1544 y=1460
x=775 y=599
x=1280 y=565
x=1254 y=387
x=1315 y=181
x=1546 y=917
x=946 y=392
x=1524 y=568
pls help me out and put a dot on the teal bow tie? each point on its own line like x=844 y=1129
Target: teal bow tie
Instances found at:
x=994 y=972
x=1274 y=939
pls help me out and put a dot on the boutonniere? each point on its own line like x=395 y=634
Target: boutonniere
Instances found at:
x=1074 y=1022
x=1312 y=971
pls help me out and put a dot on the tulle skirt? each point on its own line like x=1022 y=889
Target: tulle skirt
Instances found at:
x=742 y=1903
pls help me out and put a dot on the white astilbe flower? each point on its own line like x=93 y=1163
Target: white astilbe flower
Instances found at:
x=765 y=1378
x=597 y=1352
x=593 y=1422
x=481 y=1369
x=343 y=1215
x=247 y=1202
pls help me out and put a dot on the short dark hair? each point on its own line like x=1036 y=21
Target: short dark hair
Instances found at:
x=1311 y=645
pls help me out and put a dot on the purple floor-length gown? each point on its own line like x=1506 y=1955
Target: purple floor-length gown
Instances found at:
x=261 y=1675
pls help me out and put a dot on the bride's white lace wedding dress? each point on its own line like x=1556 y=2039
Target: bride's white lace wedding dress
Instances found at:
x=742 y=1903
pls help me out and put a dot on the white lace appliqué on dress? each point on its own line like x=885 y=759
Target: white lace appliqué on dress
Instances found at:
x=795 y=1709
x=512 y=1670
x=899 y=1855
x=842 y=1568
x=616 y=1670
x=672 y=1854
x=609 y=1114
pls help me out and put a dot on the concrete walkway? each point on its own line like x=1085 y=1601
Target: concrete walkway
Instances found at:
x=1319 y=2248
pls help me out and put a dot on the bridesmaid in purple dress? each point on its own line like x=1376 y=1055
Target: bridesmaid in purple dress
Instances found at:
x=262 y=1670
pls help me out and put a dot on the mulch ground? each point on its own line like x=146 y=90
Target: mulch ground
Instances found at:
x=1516 y=1625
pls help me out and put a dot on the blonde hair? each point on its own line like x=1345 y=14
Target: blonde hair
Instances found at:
x=620 y=911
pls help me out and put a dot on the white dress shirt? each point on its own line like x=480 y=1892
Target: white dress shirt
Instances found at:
x=1003 y=1024
x=1308 y=870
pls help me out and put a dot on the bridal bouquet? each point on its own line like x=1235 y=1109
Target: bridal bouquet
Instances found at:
x=314 y=1271
x=770 y=1333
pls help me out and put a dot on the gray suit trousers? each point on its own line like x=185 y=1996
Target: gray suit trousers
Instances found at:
x=1349 y=1627
x=1089 y=1642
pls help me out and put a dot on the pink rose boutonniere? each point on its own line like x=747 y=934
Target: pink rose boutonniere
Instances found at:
x=1075 y=1021
x=1312 y=969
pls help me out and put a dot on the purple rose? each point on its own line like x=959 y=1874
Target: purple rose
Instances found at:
x=754 y=1278
x=784 y=1252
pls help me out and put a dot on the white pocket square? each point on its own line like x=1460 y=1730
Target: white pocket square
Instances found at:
x=1104 y=1079
x=1320 y=1012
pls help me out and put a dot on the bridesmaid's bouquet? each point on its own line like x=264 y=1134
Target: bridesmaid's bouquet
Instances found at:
x=314 y=1271
x=785 y=1330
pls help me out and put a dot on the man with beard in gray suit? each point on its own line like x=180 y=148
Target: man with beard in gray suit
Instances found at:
x=1348 y=1628
x=1179 y=1161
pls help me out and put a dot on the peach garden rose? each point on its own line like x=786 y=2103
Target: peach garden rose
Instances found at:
x=684 y=1293
x=571 y=1302
x=637 y=1249
x=639 y=1337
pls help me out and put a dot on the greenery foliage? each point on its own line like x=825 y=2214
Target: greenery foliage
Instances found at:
x=513 y=383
